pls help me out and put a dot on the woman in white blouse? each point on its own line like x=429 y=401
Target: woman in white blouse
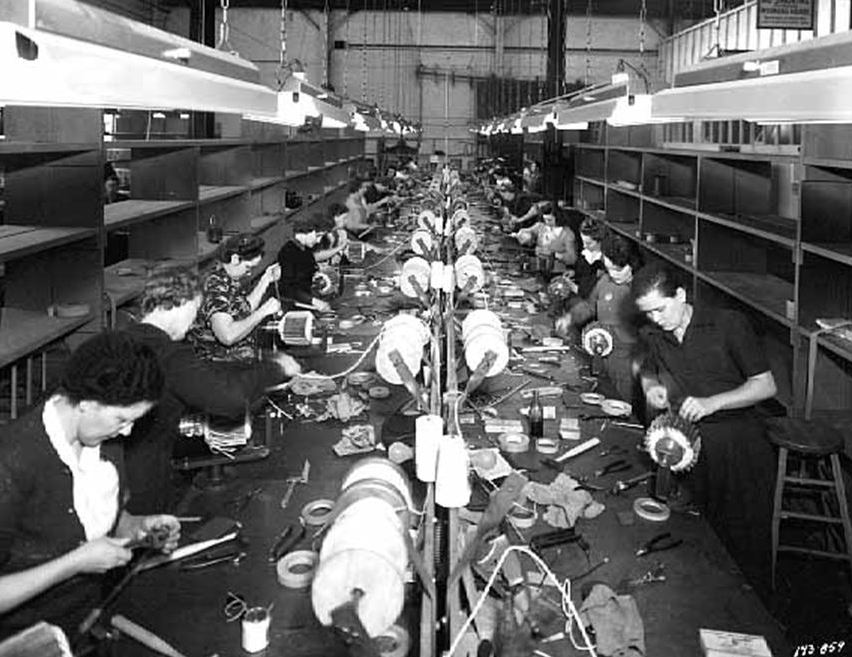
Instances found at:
x=61 y=498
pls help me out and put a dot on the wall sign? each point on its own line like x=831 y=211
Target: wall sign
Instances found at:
x=785 y=14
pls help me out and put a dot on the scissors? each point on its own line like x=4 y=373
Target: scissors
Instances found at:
x=659 y=543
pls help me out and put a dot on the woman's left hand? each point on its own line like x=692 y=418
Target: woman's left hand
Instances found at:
x=697 y=408
x=163 y=523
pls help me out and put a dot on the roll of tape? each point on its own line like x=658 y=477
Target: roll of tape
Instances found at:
x=546 y=445
x=514 y=443
x=296 y=569
x=316 y=513
x=648 y=508
x=393 y=642
x=522 y=518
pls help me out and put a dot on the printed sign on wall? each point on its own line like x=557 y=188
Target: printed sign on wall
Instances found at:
x=785 y=14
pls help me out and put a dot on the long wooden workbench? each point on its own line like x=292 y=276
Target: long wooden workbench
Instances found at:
x=702 y=587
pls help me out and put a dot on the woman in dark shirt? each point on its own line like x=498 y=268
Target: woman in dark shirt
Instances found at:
x=61 y=516
x=298 y=261
x=192 y=384
x=708 y=365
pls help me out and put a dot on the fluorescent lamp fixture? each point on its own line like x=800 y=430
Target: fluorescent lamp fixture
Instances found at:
x=612 y=103
x=819 y=96
x=582 y=125
x=294 y=104
x=41 y=68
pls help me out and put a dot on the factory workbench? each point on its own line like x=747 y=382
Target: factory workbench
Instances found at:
x=702 y=589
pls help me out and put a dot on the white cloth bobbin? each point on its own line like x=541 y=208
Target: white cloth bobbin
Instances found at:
x=256 y=629
x=648 y=508
x=296 y=569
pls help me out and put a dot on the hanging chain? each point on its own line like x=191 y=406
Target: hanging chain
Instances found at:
x=588 y=41
x=384 y=54
x=325 y=51
x=545 y=39
x=643 y=17
x=364 y=58
x=718 y=7
x=345 y=53
x=225 y=29
x=283 y=73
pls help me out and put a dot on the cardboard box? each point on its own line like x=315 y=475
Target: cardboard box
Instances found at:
x=717 y=643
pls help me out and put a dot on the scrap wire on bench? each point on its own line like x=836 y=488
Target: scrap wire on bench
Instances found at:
x=393 y=252
x=568 y=607
x=344 y=373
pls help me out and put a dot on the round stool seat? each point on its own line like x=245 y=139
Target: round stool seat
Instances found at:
x=812 y=437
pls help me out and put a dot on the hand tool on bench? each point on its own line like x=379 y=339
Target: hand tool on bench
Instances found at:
x=556 y=463
x=292 y=481
x=659 y=543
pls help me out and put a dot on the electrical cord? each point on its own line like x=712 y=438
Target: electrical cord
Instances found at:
x=568 y=608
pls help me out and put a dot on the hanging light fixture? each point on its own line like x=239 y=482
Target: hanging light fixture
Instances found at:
x=787 y=84
x=611 y=102
x=43 y=67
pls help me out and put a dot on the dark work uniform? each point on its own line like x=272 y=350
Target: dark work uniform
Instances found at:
x=735 y=474
x=298 y=267
x=38 y=523
x=192 y=385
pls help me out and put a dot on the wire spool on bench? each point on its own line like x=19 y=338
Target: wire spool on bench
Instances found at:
x=470 y=274
x=418 y=269
x=422 y=242
x=428 y=220
x=466 y=240
x=297 y=328
x=365 y=547
x=482 y=333
x=397 y=336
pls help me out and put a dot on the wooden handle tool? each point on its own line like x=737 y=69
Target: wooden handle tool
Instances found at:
x=143 y=636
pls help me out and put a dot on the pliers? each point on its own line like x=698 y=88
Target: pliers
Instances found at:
x=286 y=541
x=659 y=543
x=619 y=465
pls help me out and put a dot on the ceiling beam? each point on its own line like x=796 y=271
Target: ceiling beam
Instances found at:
x=656 y=8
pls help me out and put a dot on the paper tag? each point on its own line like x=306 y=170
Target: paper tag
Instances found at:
x=467 y=418
x=499 y=425
x=548 y=412
x=569 y=424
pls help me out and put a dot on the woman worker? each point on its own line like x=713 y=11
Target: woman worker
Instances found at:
x=169 y=305
x=552 y=238
x=228 y=316
x=708 y=365
x=611 y=304
x=62 y=521
x=298 y=260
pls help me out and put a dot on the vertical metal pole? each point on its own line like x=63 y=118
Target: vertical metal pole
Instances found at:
x=14 y=398
x=555 y=47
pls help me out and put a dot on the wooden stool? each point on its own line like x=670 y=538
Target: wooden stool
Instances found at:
x=819 y=444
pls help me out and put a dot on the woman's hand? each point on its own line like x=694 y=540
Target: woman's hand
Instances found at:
x=101 y=555
x=657 y=396
x=272 y=274
x=563 y=325
x=165 y=524
x=289 y=365
x=697 y=408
